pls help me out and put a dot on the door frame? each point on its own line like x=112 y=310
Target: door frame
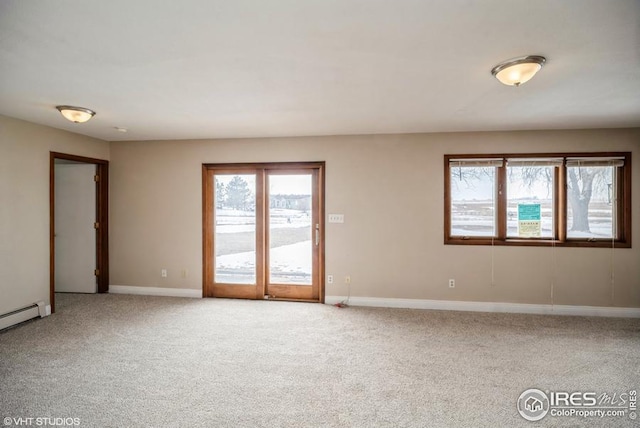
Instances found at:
x=208 y=215
x=102 y=218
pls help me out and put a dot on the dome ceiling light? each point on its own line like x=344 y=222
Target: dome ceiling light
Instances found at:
x=76 y=114
x=517 y=71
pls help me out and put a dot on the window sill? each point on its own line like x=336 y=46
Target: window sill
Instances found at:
x=534 y=242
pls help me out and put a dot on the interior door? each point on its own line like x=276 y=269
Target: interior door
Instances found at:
x=263 y=231
x=75 y=234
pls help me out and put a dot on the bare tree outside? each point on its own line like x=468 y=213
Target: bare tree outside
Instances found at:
x=584 y=184
x=473 y=201
x=530 y=185
x=590 y=191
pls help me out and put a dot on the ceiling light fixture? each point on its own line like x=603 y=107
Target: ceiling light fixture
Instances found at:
x=76 y=114
x=517 y=71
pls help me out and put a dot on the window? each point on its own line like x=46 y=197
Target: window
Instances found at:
x=473 y=197
x=578 y=199
x=530 y=197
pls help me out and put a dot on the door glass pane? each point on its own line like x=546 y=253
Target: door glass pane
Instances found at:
x=590 y=202
x=530 y=201
x=235 y=228
x=290 y=229
x=473 y=201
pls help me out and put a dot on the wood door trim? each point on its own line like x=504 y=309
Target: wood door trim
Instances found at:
x=211 y=288
x=322 y=217
x=233 y=167
x=102 y=217
x=261 y=238
x=207 y=238
x=291 y=292
x=236 y=291
x=261 y=169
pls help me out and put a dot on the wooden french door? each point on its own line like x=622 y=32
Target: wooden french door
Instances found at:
x=264 y=231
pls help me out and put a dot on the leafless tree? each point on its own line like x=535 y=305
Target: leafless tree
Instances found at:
x=582 y=184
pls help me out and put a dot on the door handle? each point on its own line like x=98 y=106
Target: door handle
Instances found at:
x=317 y=235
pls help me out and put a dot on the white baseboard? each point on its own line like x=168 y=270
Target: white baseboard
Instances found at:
x=155 y=291
x=518 y=308
x=446 y=305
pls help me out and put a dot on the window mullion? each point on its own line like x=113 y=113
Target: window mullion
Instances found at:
x=560 y=201
x=619 y=205
x=502 y=202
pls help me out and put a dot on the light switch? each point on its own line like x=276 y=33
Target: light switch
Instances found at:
x=336 y=218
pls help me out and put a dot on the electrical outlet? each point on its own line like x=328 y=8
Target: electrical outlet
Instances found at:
x=329 y=279
x=347 y=279
x=452 y=283
x=163 y=273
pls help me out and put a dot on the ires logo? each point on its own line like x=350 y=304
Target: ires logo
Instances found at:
x=586 y=399
x=534 y=404
x=573 y=399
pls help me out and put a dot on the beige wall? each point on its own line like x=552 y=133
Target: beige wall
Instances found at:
x=24 y=205
x=390 y=188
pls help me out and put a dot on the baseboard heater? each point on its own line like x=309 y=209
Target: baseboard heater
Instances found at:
x=39 y=309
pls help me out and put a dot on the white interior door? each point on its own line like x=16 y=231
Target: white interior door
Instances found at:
x=75 y=235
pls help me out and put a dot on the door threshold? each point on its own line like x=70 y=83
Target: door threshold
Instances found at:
x=284 y=299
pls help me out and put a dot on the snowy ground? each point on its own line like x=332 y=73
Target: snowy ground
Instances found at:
x=483 y=227
x=475 y=218
x=234 y=221
x=288 y=264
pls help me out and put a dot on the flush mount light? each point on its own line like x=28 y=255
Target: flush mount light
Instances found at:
x=517 y=71
x=76 y=114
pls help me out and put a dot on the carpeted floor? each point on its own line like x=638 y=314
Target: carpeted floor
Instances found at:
x=137 y=361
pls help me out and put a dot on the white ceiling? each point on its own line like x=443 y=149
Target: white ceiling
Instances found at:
x=250 y=68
